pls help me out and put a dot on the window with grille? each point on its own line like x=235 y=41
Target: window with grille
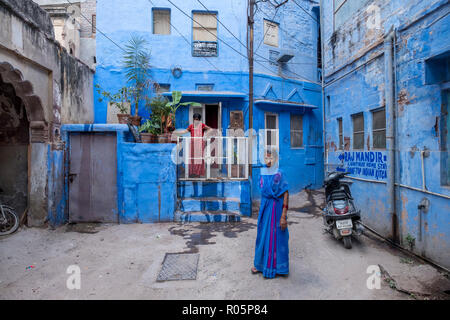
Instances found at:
x=271 y=121
x=161 y=21
x=94 y=23
x=204 y=30
x=379 y=129
x=162 y=87
x=296 y=131
x=341 y=134
x=358 y=131
x=270 y=33
x=204 y=86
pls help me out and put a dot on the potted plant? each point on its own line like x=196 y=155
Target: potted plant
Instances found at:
x=136 y=63
x=150 y=131
x=118 y=100
x=164 y=111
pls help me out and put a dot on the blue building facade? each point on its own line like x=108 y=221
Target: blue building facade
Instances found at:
x=214 y=71
x=386 y=95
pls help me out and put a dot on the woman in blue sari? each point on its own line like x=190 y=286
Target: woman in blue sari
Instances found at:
x=272 y=249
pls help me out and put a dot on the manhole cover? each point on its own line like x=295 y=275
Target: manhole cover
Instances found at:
x=179 y=266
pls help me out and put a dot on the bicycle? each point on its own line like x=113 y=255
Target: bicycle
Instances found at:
x=9 y=220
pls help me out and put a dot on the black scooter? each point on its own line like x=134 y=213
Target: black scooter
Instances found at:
x=340 y=216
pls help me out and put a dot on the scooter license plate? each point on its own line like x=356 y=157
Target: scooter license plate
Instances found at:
x=344 y=224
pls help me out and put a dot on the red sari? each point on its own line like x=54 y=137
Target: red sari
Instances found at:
x=197 y=162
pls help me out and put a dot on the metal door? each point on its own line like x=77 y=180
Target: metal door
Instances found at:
x=93 y=178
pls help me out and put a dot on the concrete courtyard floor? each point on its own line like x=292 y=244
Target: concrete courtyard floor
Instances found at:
x=123 y=262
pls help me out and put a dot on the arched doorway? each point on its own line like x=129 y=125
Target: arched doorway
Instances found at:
x=23 y=143
x=14 y=144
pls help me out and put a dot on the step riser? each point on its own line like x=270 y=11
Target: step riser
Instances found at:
x=199 y=205
x=186 y=217
x=204 y=189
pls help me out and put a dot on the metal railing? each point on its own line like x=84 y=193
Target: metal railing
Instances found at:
x=210 y=158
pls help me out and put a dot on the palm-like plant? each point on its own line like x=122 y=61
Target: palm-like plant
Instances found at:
x=136 y=63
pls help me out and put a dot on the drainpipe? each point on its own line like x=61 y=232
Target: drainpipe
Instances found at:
x=390 y=128
x=324 y=134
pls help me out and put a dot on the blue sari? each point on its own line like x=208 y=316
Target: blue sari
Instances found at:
x=272 y=249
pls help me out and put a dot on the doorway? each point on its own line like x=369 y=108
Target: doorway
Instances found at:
x=93 y=178
x=14 y=146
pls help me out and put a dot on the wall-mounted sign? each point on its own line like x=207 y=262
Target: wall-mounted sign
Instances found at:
x=362 y=164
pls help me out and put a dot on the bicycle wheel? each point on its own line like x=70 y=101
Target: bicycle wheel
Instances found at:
x=9 y=223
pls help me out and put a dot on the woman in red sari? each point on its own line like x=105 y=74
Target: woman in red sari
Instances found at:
x=197 y=162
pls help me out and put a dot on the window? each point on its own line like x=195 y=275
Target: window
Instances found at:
x=270 y=33
x=379 y=129
x=344 y=10
x=271 y=121
x=94 y=23
x=162 y=87
x=204 y=30
x=341 y=134
x=445 y=139
x=204 y=86
x=296 y=131
x=273 y=56
x=161 y=21
x=358 y=131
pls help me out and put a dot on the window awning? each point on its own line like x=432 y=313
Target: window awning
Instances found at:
x=281 y=105
x=210 y=94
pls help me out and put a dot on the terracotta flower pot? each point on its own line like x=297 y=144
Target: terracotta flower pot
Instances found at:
x=135 y=120
x=149 y=138
x=123 y=118
x=163 y=138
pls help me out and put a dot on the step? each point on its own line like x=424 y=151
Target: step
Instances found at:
x=203 y=189
x=209 y=204
x=208 y=216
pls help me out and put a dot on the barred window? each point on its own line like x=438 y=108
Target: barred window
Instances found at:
x=94 y=23
x=341 y=134
x=358 y=131
x=204 y=34
x=379 y=129
x=161 y=21
x=296 y=131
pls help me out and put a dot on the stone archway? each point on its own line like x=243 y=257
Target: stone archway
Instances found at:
x=23 y=144
x=32 y=103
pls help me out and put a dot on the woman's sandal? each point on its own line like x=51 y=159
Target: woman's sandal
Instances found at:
x=254 y=270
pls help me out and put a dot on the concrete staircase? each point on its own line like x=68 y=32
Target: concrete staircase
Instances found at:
x=213 y=201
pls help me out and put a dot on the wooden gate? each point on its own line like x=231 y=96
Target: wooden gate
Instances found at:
x=93 y=178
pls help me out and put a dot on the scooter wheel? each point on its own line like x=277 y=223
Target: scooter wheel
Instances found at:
x=348 y=242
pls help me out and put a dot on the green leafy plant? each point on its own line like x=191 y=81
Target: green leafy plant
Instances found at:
x=136 y=63
x=164 y=111
x=151 y=126
x=118 y=99
x=410 y=240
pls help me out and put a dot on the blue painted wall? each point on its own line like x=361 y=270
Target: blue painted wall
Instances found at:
x=228 y=71
x=354 y=71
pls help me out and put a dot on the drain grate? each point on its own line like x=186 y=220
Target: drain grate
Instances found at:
x=179 y=266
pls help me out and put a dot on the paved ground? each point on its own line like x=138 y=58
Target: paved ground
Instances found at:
x=123 y=262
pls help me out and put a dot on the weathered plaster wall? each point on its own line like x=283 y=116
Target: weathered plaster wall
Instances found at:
x=63 y=83
x=55 y=88
x=355 y=82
